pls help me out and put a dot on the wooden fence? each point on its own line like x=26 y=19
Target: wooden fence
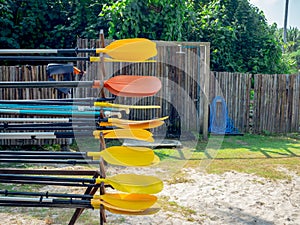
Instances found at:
x=271 y=105
x=255 y=103
x=235 y=89
x=183 y=68
x=276 y=105
x=27 y=73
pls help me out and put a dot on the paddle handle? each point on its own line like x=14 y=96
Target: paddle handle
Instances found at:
x=95 y=155
x=106 y=104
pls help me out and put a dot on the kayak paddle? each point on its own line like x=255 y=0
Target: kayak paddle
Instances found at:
x=134 y=49
x=122 y=85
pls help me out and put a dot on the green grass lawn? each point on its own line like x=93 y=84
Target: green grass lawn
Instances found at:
x=256 y=154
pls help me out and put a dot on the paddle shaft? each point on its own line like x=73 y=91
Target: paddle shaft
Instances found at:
x=113 y=155
x=37 y=182
x=48 y=58
x=126 y=201
x=47 y=178
x=132 y=183
x=45 y=161
x=123 y=182
x=117 y=133
x=45 y=120
x=56 y=112
x=44 y=135
x=48 y=84
x=54 y=107
x=80 y=126
x=44 y=204
x=137 y=49
x=75 y=127
x=39 y=155
x=46 y=51
x=45 y=194
x=121 y=85
x=71 y=101
x=77 y=120
x=62 y=127
x=6 y=125
x=70 y=203
x=51 y=202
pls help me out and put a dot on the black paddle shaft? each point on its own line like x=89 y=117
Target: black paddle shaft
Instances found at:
x=44 y=194
x=46 y=84
x=46 y=178
x=43 y=58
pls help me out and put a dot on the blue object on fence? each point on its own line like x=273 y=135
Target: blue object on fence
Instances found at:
x=220 y=123
x=65 y=69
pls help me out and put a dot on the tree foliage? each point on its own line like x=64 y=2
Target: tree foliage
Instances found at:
x=46 y=23
x=154 y=19
x=291 y=48
x=8 y=38
x=241 y=40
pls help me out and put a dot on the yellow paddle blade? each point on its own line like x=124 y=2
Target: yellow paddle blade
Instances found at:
x=134 y=124
x=149 y=139
x=96 y=203
x=140 y=50
x=138 y=134
x=145 y=125
x=128 y=201
x=123 y=121
x=112 y=105
x=136 y=121
x=97 y=59
x=117 y=43
x=155 y=161
x=134 y=183
x=125 y=156
x=149 y=211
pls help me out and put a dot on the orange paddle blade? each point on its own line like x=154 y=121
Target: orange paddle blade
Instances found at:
x=133 y=86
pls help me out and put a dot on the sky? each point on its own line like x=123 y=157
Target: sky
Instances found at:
x=274 y=11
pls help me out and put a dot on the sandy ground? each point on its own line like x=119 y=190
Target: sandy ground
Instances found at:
x=231 y=198
x=200 y=198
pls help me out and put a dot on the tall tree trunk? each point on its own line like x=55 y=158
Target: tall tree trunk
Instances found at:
x=285 y=20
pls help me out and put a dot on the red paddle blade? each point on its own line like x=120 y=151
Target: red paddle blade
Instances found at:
x=133 y=86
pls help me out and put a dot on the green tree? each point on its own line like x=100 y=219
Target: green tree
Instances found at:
x=158 y=20
x=241 y=40
x=8 y=38
x=48 y=24
x=291 y=48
